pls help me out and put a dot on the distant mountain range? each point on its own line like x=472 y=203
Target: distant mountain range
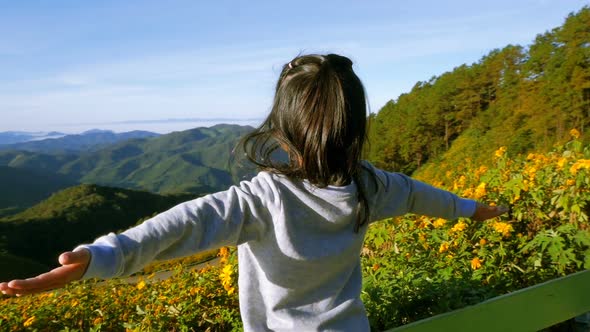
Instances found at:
x=194 y=161
x=12 y=137
x=91 y=140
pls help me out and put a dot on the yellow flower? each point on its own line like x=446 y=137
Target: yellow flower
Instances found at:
x=226 y=280
x=482 y=242
x=424 y=223
x=224 y=254
x=460 y=183
x=575 y=133
x=515 y=198
x=500 y=152
x=29 y=321
x=421 y=237
x=480 y=171
x=443 y=247
x=570 y=182
x=227 y=270
x=580 y=164
x=526 y=184
x=74 y=303
x=459 y=227
x=194 y=290
x=502 y=227
x=141 y=285
x=439 y=223
x=480 y=191
x=97 y=321
x=561 y=162
x=467 y=192
x=225 y=276
x=531 y=171
x=475 y=263
x=437 y=184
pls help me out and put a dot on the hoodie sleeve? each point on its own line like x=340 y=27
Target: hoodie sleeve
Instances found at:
x=229 y=217
x=397 y=194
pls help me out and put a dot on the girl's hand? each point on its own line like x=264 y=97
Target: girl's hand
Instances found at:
x=485 y=212
x=74 y=264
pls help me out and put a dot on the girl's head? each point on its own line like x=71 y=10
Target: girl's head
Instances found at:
x=318 y=117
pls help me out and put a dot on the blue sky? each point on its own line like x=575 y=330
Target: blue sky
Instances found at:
x=122 y=65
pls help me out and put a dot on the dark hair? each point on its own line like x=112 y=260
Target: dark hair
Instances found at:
x=319 y=118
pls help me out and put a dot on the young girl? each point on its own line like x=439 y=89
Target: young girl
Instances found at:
x=298 y=225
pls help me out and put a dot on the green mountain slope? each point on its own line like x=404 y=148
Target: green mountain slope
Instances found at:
x=77 y=215
x=39 y=162
x=188 y=161
x=21 y=188
x=14 y=267
x=522 y=98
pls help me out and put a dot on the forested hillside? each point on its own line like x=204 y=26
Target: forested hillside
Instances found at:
x=524 y=98
x=77 y=215
x=21 y=188
x=194 y=161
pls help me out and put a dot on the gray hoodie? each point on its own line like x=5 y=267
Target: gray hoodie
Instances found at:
x=298 y=254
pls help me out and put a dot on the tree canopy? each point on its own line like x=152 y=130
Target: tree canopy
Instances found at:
x=525 y=98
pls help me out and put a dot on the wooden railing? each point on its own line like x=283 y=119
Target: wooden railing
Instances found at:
x=530 y=309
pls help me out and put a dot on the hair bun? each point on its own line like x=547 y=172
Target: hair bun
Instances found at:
x=339 y=61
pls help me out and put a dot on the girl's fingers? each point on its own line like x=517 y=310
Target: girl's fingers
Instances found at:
x=484 y=212
x=74 y=263
x=81 y=256
x=12 y=291
x=60 y=275
x=32 y=283
x=502 y=210
x=34 y=290
x=4 y=287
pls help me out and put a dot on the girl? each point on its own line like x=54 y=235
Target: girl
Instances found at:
x=298 y=225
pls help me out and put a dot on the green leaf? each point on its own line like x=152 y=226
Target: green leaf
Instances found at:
x=139 y=310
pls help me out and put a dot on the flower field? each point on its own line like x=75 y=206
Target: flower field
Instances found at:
x=416 y=267
x=190 y=300
x=413 y=266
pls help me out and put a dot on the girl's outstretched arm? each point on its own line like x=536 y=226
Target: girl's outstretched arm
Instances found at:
x=399 y=194
x=229 y=217
x=73 y=266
